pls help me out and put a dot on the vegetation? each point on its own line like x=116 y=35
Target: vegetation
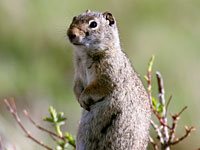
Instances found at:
x=165 y=133
x=36 y=59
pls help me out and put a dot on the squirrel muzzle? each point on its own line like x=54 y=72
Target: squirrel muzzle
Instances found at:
x=76 y=36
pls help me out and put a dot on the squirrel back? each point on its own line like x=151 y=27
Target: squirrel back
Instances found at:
x=116 y=113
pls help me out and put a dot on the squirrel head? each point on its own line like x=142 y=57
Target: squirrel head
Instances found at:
x=94 y=32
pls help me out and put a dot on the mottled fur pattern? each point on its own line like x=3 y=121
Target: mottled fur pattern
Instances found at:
x=116 y=113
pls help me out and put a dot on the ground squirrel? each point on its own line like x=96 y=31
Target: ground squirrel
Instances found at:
x=116 y=113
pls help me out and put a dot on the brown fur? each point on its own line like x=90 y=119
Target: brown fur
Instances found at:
x=116 y=113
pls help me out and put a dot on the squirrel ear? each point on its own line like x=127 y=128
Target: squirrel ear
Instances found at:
x=74 y=18
x=108 y=16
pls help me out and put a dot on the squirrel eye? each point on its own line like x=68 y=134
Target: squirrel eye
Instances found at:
x=92 y=24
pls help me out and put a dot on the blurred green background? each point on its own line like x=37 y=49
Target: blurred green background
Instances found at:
x=36 y=59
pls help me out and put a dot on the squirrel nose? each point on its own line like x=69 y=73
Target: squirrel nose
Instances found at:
x=71 y=36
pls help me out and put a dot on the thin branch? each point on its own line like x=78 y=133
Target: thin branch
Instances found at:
x=149 y=80
x=187 y=133
x=165 y=133
x=174 y=125
x=12 y=108
x=161 y=89
x=160 y=119
x=158 y=131
x=161 y=96
x=175 y=118
x=53 y=138
x=168 y=102
x=52 y=134
x=182 y=110
x=153 y=143
x=41 y=128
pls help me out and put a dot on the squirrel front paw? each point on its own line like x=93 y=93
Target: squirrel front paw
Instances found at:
x=85 y=101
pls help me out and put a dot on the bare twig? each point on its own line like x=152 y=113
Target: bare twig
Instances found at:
x=149 y=80
x=160 y=119
x=165 y=133
x=153 y=143
x=182 y=110
x=187 y=133
x=168 y=102
x=158 y=131
x=12 y=108
x=172 y=131
x=175 y=119
x=161 y=96
x=53 y=138
x=41 y=128
x=52 y=134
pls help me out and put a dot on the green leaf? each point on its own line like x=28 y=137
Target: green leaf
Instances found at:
x=48 y=119
x=57 y=120
x=157 y=105
x=150 y=65
x=159 y=108
x=61 y=117
x=53 y=113
x=70 y=139
x=154 y=102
